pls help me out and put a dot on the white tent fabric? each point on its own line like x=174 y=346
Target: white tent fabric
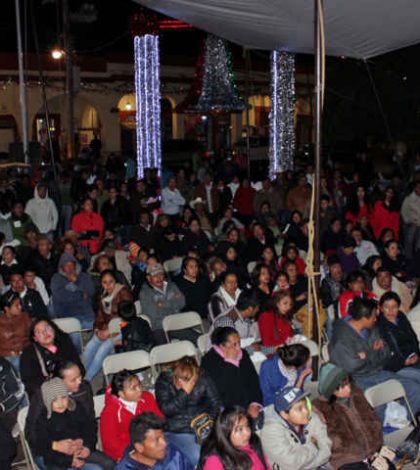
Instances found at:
x=353 y=28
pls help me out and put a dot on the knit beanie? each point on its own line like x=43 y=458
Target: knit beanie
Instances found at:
x=330 y=377
x=52 y=389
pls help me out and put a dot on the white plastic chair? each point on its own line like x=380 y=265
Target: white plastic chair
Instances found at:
x=312 y=389
x=171 y=352
x=21 y=421
x=203 y=343
x=251 y=266
x=131 y=360
x=71 y=325
x=172 y=265
x=181 y=321
x=311 y=345
x=384 y=393
x=137 y=304
x=99 y=404
x=325 y=355
x=147 y=318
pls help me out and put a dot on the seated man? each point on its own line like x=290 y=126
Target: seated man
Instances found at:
x=385 y=282
x=31 y=300
x=72 y=291
x=292 y=437
x=357 y=347
x=149 y=449
x=160 y=298
x=242 y=318
x=364 y=248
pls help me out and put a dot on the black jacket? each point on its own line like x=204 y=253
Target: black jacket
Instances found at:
x=197 y=294
x=31 y=367
x=37 y=415
x=67 y=425
x=33 y=304
x=179 y=408
x=400 y=338
x=236 y=385
x=44 y=267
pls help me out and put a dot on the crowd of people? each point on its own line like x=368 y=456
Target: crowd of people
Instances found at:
x=97 y=247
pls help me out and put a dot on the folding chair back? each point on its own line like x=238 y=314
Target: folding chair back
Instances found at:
x=21 y=421
x=325 y=355
x=181 y=321
x=137 y=304
x=99 y=404
x=171 y=352
x=68 y=324
x=147 y=318
x=312 y=388
x=131 y=360
x=251 y=266
x=384 y=393
x=203 y=343
x=172 y=265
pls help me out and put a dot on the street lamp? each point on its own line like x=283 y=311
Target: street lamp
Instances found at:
x=57 y=53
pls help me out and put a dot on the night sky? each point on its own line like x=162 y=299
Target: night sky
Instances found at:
x=352 y=112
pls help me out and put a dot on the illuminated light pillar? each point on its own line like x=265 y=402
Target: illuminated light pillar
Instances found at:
x=282 y=124
x=147 y=84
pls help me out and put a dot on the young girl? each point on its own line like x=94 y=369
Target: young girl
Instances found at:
x=124 y=398
x=232 y=445
x=274 y=324
x=281 y=282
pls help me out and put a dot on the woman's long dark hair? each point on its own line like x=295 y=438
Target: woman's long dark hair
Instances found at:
x=353 y=204
x=218 y=442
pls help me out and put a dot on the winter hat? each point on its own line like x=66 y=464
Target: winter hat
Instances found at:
x=52 y=389
x=330 y=377
x=66 y=258
x=286 y=397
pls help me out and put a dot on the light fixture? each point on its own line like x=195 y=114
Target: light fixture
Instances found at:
x=147 y=82
x=57 y=53
x=128 y=106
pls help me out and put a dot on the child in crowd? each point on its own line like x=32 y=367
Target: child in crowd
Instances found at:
x=136 y=332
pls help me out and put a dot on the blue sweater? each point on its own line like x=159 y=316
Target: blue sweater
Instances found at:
x=271 y=379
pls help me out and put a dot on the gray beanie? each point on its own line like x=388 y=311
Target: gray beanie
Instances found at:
x=51 y=390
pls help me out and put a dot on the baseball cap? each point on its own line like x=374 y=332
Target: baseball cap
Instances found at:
x=286 y=397
x=155 y=269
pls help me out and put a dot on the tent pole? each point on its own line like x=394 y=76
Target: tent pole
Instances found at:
x=318 y=154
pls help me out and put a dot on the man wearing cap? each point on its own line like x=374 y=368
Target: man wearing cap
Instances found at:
x=160 y=298
x=353 y=426
x=293 y=437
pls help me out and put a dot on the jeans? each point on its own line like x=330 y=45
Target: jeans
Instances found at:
x=411 y=386
x=95 y=353
x=15 y=361
x=187 y=444
x=96 y=461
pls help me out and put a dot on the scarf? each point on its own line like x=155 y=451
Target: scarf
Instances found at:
x=234 y=362
x=227 y=299
x=108 y=298
x=289 y=374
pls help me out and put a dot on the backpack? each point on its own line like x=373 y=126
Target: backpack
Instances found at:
x=136 y=335
x=12 y=389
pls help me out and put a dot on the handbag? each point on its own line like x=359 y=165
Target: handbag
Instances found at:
x=202 y=425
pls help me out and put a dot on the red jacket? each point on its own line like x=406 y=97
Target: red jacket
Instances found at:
x=383 y=218
x=88 y=221
x=274 y=329
x=243 y=201
x=364 y=211
x=115 y=422
x=300 y=264
x=347 y=297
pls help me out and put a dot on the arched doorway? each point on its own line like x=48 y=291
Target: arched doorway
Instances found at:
x=90 y=125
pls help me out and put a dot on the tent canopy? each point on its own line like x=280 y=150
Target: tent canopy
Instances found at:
x=353 y=28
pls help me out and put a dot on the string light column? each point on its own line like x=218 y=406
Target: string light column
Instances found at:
x=282 y=126
x=147 y=91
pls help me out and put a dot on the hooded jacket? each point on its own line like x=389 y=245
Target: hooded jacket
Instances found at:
x=115 y=422
x=43 y=212
x=179 y=408
x=72 y=299
x=346 y=344
x=285 y=448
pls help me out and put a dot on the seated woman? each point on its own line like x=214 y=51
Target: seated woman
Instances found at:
x=81 y=392
x=14 y=328
x=234 y=263
x=8 y=263
x=261 y=281
x=101 y=344
x=352 y=425
x=48 y=349
x=298 y=285
x=232 y=444
x=65 y=421
x=184 y=393
x=226 y=296
x=195 y=287
x=124 y=398
x=397 y=332
x=274 y=324
x=89 y=225
x=290 y=367
x=269 y=259
x=232 y=371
